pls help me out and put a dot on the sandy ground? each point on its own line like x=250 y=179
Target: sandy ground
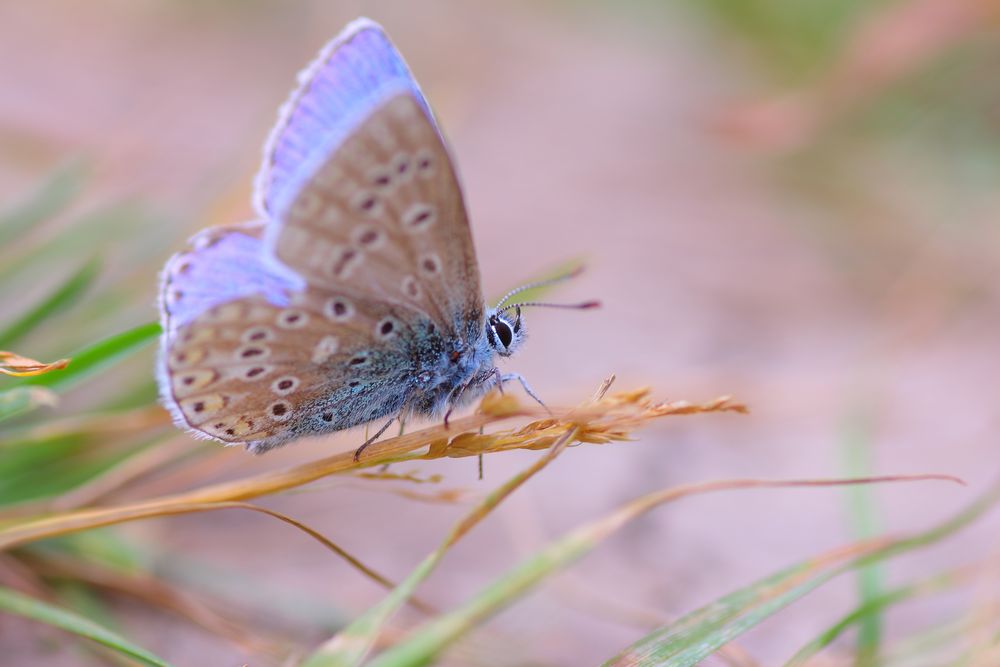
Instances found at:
x=576 y=134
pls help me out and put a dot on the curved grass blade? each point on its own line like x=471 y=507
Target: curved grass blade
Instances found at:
x=59 y=300
x=99 y=356
x=52 y=197
x=350 y=646
x=28 y=607
x=875 y=606
x=19 y=400
x=700 y=633
x=428 y=641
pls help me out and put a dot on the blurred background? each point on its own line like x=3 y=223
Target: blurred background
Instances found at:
x=791 y=202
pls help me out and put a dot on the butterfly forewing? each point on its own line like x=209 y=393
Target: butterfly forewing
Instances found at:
x=384 y=214
x=337 y=91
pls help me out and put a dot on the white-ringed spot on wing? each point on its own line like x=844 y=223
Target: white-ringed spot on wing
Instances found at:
x=329 y=176
x=257 y=335
x=255 y=372
x=185 y=358
x=205 y=239
x=367 y=203
x=386 y=328
x=233 y=427
x=419 y=217
x=344 y=261
x=331 y=216
x=180 y=266
x=380 y=178
x=195 y=335
x=306 y=205
x=411 y=287
x=185 y=383
x=291 y=318
x=252 y=352
x=338 y=309
x=285 y=385
x=368 y=237
x=279 y=411
x=227 y=312
x=325 y=348
x=199 y=408
x=173 y=296
x=430 y=265
x=380 y=131
x=425 y=163
x=260 y=312
x=358 y=360
x=402 y=167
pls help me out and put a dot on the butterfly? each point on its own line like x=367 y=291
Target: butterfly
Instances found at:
x=355 y=296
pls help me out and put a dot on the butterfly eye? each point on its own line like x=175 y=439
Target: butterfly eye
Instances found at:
x=503 y=332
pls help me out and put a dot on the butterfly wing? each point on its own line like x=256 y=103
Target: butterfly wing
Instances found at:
x=384 y=214
x=270 y=361
x=313 y=321
x=356 y=152
x=336 y=92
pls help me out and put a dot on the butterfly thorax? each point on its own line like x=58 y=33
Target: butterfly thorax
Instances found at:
x=463 y=370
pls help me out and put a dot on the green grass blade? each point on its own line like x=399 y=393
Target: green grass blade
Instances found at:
x=699 y=634
x=865 y=523
x=426 y=643
x=873 y=606
x=22 y=605
x=53 y=196
x=97 y=357
x=102 y=231
x=59 y=300
x=350 y=646
x=20 y=400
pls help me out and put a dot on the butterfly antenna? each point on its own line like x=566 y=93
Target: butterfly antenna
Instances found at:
x=541 y=283
x=575 y=306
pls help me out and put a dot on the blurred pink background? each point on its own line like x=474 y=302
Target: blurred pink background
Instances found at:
x=810 y=245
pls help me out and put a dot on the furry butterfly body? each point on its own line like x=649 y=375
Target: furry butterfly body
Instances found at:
x=356 y=296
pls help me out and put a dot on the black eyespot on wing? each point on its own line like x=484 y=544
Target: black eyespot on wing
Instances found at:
x=503 y=332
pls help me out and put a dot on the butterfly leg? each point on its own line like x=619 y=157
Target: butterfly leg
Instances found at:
x=453 y=400
x=507 y=377
x=357 y=452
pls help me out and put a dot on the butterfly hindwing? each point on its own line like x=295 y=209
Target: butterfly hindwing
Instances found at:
x=267 y=367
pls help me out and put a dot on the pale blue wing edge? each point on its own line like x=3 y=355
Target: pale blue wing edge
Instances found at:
x=352 y=75
x=222 y=265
